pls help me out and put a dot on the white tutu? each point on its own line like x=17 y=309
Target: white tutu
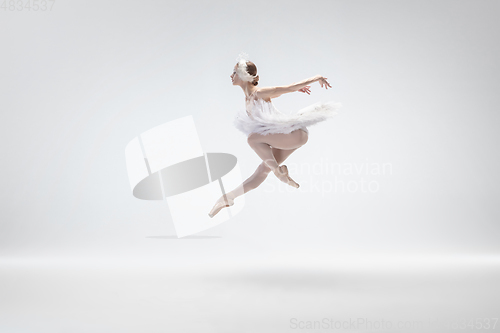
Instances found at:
x=266 y=118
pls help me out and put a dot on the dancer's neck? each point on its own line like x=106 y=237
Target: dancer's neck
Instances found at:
x=247 y=90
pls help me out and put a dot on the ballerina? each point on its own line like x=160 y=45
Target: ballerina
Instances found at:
x=271 y=134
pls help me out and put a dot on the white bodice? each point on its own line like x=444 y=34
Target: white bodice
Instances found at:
x=256 y=106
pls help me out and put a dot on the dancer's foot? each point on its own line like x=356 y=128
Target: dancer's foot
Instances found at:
x=282 y=173
x=223 y=201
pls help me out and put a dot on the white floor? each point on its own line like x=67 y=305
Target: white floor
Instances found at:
x=318 y=295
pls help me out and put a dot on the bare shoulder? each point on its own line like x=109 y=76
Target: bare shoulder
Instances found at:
x=264 y=90
x=266 y=93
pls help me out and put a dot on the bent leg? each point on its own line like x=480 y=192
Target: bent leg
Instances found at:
x=260 y=174
x=263 y=144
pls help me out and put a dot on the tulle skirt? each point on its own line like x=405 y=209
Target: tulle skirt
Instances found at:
x=267 y=119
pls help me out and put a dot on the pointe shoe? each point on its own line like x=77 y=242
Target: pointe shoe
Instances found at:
x=221 y=203
x=282 y=175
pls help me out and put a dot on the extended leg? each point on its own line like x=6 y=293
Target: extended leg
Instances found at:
x=252 y=182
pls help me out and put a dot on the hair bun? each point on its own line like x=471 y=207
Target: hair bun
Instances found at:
x=256 y=80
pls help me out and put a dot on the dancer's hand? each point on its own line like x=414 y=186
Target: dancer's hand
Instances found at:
x=305 y=90
x=322 y=81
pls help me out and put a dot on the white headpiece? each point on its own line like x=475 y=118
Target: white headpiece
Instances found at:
x=241 y=69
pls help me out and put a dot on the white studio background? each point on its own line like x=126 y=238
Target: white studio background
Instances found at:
x=418 y=82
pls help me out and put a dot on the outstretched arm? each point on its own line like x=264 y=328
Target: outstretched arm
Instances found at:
x=273 y=92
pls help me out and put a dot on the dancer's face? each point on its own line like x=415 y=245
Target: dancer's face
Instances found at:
x=235 y=78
